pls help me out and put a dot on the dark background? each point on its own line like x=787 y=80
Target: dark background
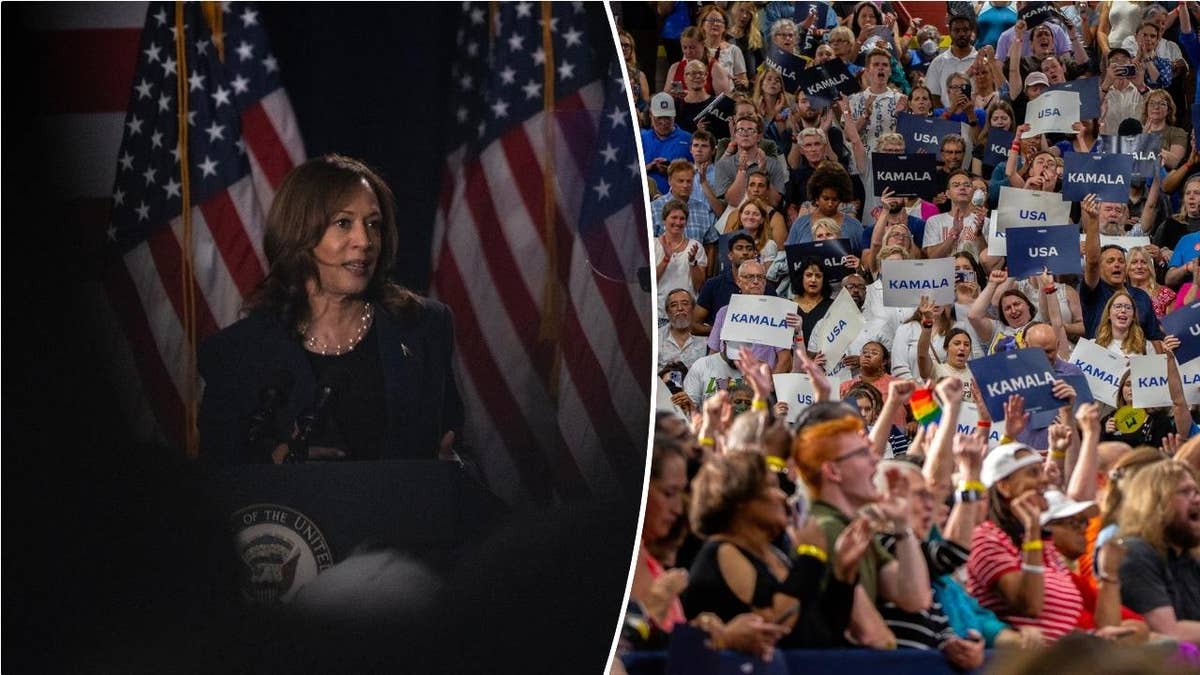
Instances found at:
x=110 y=560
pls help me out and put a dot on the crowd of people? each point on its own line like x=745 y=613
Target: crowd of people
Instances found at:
x=858 y=521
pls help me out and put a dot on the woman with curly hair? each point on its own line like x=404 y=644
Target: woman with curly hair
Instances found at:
x=829 y=188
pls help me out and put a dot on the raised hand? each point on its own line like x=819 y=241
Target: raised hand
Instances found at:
x=969 y=449
x=997 y=277
x=1088 y=417
x=849 y=548
x=950 y=391
x=1028 y=507
x=901 y=390
x=894 y=506
x=1015 y=417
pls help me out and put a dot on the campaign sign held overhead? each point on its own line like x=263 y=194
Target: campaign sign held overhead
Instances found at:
x=926 y=133
x=1148 y=377
x=999 y=142
x=1106 y=176
x=1102 y=368
x=789 y=66
x=908 y=175
x=795 y=389
x=1142 y=147
x=1184 y=323
x=1054 y=112
x=1024 y=372
x=1089 y=95
x=758 y=319
x=905 y=281
x=826 y=83
x=1028 y=208
x=831 y=253
x=833 y=335
x=1032 y=250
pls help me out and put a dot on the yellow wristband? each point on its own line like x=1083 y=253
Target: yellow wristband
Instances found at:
x=1006 y=439
x=707 y=441
x=1057 y=454
x=972 y=486
x=810 y=550
x=1035 y=545
x=758 y=404
x=776 y=463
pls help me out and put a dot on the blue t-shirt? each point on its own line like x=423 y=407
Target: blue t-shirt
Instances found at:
x=1094 y=299
x=992 y=22
x=801 y=232
x=677 y=145
x=1186 y=250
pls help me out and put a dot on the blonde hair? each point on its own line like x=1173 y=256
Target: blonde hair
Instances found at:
x=754 y=36
x=889 y=137
x=1143 y=513
x=757 y=94
x=1135 y=339
x=829 y=224
x=1152 y=288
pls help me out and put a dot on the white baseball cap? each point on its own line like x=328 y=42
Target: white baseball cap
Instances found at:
x=662 y=104
x=1059 y=505
x=1003 y=462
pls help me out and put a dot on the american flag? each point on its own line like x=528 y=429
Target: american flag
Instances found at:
x=241 y=139
x=541 y=227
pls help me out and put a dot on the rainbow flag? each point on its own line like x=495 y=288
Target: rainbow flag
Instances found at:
x=925 y=407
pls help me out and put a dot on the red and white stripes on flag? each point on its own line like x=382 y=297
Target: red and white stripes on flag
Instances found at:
x=134 y=300
x=552 y=414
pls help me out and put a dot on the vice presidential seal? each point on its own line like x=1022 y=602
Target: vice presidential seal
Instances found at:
x=282 y=550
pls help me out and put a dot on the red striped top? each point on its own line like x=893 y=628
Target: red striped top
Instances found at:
x=994 y=555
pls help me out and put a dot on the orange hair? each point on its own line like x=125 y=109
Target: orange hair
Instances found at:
x=814 y=446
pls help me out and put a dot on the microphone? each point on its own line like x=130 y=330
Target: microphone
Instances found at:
x=262 y=421
x=313 y=418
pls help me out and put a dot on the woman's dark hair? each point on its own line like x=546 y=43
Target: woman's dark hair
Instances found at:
x=302 y=211
x=1016 y=293
x=826 y=288
x=665 y=448
x=830 y=175
x=980 y=274
x=952 y=333
x=1000 y=513
x=854 y=16
x=723 y=485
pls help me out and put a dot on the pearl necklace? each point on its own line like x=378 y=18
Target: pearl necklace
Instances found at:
x=312 y=344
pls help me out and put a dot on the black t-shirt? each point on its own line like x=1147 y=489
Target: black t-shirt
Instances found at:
x=1150 y=580
x=358 y=422
x=1173 y=230
x=1158 y=424
x=686 y=112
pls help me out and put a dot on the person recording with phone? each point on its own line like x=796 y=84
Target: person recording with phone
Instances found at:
x=332 y=360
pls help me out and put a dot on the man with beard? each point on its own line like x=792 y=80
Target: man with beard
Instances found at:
x=676 y=343
x=961 y=229
x=733 y=171
x=957 y=59
x=1160 y=523
x=1104 y=273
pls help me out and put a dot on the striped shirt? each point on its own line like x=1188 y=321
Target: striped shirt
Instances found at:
x=994 y=555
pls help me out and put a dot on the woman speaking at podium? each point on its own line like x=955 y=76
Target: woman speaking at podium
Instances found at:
x=332 y=360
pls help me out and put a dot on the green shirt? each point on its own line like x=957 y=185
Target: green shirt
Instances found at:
x=833 y=521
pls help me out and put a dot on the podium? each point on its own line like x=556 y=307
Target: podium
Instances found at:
x=290 y=522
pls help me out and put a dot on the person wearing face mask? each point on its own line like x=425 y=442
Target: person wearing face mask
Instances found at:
x=1104 y=274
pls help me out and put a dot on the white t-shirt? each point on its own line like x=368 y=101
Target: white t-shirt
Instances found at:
x=937 y=227
x=941 y=370
x=904 y=350
x=706 y=376
x=879 y=321
x=678 y=273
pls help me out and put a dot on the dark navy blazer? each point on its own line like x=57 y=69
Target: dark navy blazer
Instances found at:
x=416 y=353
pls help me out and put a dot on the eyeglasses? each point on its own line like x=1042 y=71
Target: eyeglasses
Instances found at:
x=864 y=450
x=956 y=185
x=859 y=287
x=746 y=132
x=715 y=20
x=1122 y=308
x=753 y=277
